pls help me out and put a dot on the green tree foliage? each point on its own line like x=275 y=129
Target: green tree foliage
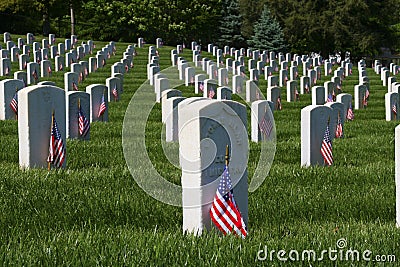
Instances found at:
x=345 y=25
x=268 y=34
x=230 y=25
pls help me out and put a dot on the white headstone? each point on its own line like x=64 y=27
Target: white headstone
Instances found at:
x=274 y=95
x=166 y=94
x=359 y=96
x=292 y=91
x=98 y=92
x=35 y=107
x=71 y=81
x=392 y=106
x=114 y=89
x=224 y=93
x=314 y=121
x=262 y=120
x=397 y=173
x=171 y=120
x=161 y=85
x=208 y=127
x=318 y=96
x=33 y=73
x=73 y=101
x=8 y=88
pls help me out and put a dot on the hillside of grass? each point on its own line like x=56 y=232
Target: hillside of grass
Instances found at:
x=94 y=214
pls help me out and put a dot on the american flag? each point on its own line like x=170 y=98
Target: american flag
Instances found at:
x=350 y=114
x=350 y=71
x=307 y=87
x=60 y=67
x=126 y=68
x=211 y=93
x=365 y=98
x=224 y=212
x=86 y=72
x=34 y=74
x=57 y=149
x=339 y=128
x=103 y=62
x=49 y=69
x=279 y=103
x=102 y=106
x=84 y=125
x=14 y=103
x=394 y=109
x=7 y=71
x=266 y=125
x=25 y=63
x=201 y=86
x=74 y=86
x=226 y=80
x=326 y=148
x=296 y=94
x=115 y=93
x=329 y=99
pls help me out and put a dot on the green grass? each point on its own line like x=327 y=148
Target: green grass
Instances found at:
x=93 y=212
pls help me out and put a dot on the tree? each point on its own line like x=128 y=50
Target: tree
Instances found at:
x=268 y=34
x=231 y=24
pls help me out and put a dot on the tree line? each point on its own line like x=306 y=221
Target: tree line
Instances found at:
x=300 y=26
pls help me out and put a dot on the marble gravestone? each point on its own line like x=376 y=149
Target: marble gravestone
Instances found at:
x=35 y=107
x=274 y=95
x=318 y=96
x=189 y=76
x=33 y=73
x=71 y=81
x=359 y=96
x=224 y=93
x=206 y=129
x=199 y=83
x=98 y=93
x=171 y=118
x=8 y=88
x=314 y=121
x=305 y=85
x=74 y=100
x=292 y=91
x=21 y=75
x=237 y=84
x=253 y=93
x=161 y=84
x=397 y=173
x=166 y=94
x=338 y=112
x=114 y=89
x=392 y=106
x=210 y=88
x=262 y=120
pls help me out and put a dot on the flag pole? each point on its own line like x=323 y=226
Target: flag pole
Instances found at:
x=51 y=130
x=227 y=155
x=16 y=114
x=102 y=115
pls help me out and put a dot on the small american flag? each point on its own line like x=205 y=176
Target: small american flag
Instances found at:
x=7 y=71
x=339 y=128
x=279 y=103
x=211 y=93
x=60 y=67
x=296 y=94
x=326 y=147
x=394 y=109
x=329 y=99
x=266 y=126
x=307 y=87
x=224 y=212
x=115 y=93
x=201 y=86
x=34 y=74
x=84 y=125
x=350 y=114
x=14 y=103
x=57 y=149
x=25 y=63
x=74 y=86
x=103 y=62
x=103 y=107
x=49 y=69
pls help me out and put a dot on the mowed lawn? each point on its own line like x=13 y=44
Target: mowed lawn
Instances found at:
x=94 y=214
